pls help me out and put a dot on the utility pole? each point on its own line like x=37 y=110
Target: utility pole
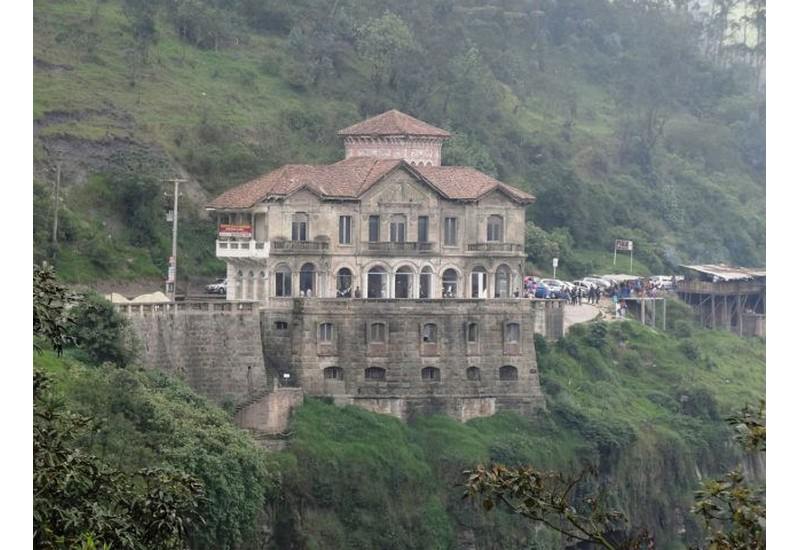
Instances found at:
x=55 y=207
x=172 y=272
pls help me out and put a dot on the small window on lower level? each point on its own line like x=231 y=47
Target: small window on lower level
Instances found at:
x=431 y=374
x=326 y=333
x=472 y=333
x=333 y=373
x=473 y=373
x=508 y=372
x=374 y=373
x=281 y=325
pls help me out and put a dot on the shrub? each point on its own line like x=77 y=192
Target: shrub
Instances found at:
x=101 y=333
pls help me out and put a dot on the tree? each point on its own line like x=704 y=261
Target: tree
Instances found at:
x=382 y=42
x=550 y=498
x=79 y=501
x=51 y=319
x=101 y=332
x=733 y=511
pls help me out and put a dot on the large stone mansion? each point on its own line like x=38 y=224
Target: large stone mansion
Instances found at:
x=385 y=280
x=388 y=221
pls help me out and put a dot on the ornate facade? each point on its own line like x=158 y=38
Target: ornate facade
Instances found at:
x=387 y=222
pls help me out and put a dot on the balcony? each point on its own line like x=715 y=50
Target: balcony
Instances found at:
x=242 y=249
x=289 y=247
x=406 y=247
x=495 y=247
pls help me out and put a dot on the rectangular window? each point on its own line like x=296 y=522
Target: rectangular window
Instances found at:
x=377 y=333
x=326 y=332
x=397 y=232
x=422 y=229
x=283 y=283
x=345 y=229
x=374 y=229
x=300 y=229
x=472 y=333
x=450 y=228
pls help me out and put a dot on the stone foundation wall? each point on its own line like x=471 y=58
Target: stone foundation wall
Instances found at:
x=218 y=354
x=270 y=413
x=294 y=345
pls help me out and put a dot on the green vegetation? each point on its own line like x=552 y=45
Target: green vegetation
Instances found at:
x=611 y=113
x=628 y=399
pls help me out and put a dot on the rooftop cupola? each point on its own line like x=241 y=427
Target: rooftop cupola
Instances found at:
x=395 y=135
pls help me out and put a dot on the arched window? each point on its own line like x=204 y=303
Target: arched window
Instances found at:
x=325 y=333
x=473 y=373
x=425 y=282
x=502 y=282
x=299 y=226
x=494 y=229
x=431 y=374
x=430 y=333
x=307 y=280
x=508 y=372
x=333 y=373
x=344 y=283
x=376 y=282
x=262 y=285
x=237 y=292
x=251 y=286
x=402 y=282
x=479 y=279
x=397 y=228
x=374 y=373
x=283 y=281
x=450 y=283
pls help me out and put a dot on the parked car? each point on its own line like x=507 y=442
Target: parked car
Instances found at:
x=556 y=284
x=542 y=291
x=220 y=286
x=583 y=285
x=597 y=281
x=664 y=281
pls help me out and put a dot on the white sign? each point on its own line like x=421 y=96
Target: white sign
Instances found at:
x=555 y=262
x=171 y=274
x=626 y=246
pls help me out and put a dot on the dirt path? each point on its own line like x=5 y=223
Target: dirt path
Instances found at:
x=579 y=314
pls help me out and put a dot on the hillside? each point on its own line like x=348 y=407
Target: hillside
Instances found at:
x=646 y=407
x=610 y=113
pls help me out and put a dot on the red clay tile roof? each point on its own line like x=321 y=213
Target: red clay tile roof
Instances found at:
x=393 y=123
x=352 y=177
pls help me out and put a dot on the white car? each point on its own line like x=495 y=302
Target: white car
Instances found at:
x=583 y=285
x=664 y=281
x=220 y=286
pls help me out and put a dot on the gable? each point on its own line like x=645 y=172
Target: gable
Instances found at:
x=498 y=199
x=400 y=188
x=303 y=197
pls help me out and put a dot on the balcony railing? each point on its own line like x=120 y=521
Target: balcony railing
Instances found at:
x=406 y=247
x=495 y=247
x=299 y=246
x=243 y=249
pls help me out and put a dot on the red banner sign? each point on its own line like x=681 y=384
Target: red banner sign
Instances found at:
x=241 y=231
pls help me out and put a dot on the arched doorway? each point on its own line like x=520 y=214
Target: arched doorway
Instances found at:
x=450 y=283
x=403 y=282
x=479 y=282
x=426 y=283
x=307 y=280
x=502 y=282
x=344 y=283
x=376 y=283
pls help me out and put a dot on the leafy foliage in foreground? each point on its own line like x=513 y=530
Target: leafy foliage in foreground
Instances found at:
x=51 y=319
x=79 y=497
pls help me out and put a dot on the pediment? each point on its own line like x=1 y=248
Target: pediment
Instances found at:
x=497 y=198
x=401 y=188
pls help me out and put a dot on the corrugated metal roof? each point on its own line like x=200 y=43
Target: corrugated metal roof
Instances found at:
x=728 y=272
